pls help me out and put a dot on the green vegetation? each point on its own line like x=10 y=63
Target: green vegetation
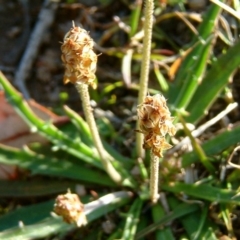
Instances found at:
x=199 y=193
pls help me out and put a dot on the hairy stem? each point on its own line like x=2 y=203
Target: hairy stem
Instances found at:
x=154 y=175
x=149 y=5
x=105 y=158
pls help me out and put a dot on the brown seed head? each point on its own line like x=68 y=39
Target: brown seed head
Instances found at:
x=79 y=59
x=155 y=122
x=70 y=208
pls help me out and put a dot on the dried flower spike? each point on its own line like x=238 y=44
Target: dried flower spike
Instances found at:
x=70 y=208
x=78 y=57
x=155 y=122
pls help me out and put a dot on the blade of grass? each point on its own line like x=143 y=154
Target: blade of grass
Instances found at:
x=214 y=81
x=178 y=212
x=197 y=148
x=226 y=215
x=193 y=77
x=41 y=164
x=28 y=215
x=135 y=16
x=48 y=226
x=132 y=220
x=84 y=132
x=41 y=229
x=47 y=129
x=214 y=146
x=204 y=191
x=36 y=188
x=194 y=64
x=196 y=225
x=163 y=233
x=81 y=125
x=161 y=79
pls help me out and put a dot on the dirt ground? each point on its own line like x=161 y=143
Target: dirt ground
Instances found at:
x=18 y=20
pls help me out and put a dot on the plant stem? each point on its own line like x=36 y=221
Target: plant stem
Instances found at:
x=154 y=174
x=105 y=158
x=148 y=13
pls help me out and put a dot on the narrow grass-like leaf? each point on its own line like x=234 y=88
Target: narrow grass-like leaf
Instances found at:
x=48 y=226
x=163 y=233
x=38 y=230
x=214 y=81
x=47 y=129
x=28 y=215
x=190 y=222
x=194 y=64
x=35 y=188
x=198 y=149
x=214 y=146
x=81 y=125
x=161 y=79
x=107 y=203
x=52 y=166
x=196 y=225
x=132 y=220
x=193 y=76
x=86 y=138
x=180 y=211
x=135 y=16
x=204 y=191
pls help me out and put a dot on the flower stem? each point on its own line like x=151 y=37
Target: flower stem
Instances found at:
x=154 y=175
x=105 y=158
x=149 y=5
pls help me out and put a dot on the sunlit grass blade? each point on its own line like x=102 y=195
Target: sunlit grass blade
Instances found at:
x=191 y=80
x=166 y=232
x=213 y=83
x=28 y=215
x=194 y=64
x=226 y=214
x=204 y=191
x=135 y=16
x=86 y=138
x=48 y=226
x=132 y=220
x=41 y=229
x=198 y=149
x=161 y=79
x=47 y=129
x=180 y=211
x=50 y=166
x=81 y=125
x=214 y=146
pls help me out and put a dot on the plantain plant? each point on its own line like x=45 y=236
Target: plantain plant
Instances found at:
x=145 y=207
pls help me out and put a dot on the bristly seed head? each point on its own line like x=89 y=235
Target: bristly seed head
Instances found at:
x=155 y=122
x=78 y=57
x=70 y=208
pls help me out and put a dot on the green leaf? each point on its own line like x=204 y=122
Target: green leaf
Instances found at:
x=194 y=64
x=214 y=146
x=132 y=220
x=52 y=166
x=164 y=233
x=213 y=83
x=34 y=188
x=204 y=191
x=47 y=129
x=27 y=215
x=180 y=211
x=50 y=225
